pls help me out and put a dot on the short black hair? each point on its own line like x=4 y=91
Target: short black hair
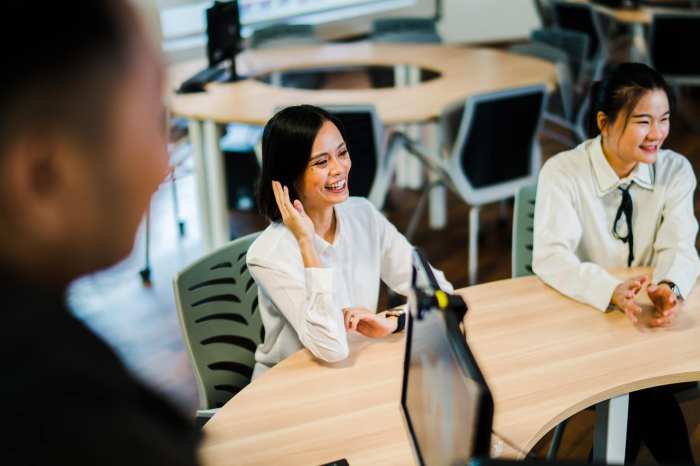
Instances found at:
x=287 y=141
x=620 y=90
x=61 y=63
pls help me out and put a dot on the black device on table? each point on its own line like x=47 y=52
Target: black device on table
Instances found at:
x=446 y=403
x=223 y=44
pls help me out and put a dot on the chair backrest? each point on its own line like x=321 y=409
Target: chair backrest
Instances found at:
x=405 y=30
x=668 y=32
x=278 y=35
x=523 y=229
x=217 y=304
x=496 y=150
x=365 y=135
x=544 y=11
x=573 y=43
x=582 y=18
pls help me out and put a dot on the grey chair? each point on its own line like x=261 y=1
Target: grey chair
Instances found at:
x=581 y=17
x=492 y=151
x=523 y=231
x=568 y=50
x=544 y=12
x=217 y=305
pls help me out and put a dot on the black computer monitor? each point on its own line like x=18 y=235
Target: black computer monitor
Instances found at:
x=223 y=34
x=447 y=406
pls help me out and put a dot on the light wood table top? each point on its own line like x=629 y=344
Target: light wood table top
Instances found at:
x=464 y=71
x=544 y=356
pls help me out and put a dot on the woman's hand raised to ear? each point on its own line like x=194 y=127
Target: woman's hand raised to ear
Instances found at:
x=293 y=214
x=298 y=222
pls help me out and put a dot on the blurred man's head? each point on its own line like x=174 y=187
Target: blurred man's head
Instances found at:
x=82 y=134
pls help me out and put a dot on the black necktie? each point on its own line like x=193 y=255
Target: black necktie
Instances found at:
x=626 y=207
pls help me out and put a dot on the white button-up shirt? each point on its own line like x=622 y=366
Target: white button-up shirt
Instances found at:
x=303 y=307
x=577 y=200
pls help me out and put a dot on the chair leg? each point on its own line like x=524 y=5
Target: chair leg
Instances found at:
x=473 y=243
x=556 y=441
x=418 y=212
x=145 y=272
x=176 y=207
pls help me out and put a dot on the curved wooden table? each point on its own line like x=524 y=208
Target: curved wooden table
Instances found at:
x=544 y=356
x=464 y=71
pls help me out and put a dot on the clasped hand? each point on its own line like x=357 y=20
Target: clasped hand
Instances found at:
x=665 y=302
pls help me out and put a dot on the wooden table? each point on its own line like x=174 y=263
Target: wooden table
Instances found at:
x=544 y=356
x=463 y=72
x=637 y=19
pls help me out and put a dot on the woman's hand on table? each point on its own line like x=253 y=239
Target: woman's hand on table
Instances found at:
x=368 y=323
x=624 y=294
x=665 y=304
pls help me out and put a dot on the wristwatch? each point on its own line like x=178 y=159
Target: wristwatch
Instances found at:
x=674 y=288
x=401 y=316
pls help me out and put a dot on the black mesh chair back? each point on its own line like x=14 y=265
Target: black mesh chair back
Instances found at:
x=579 y=17
x=360 y=126
x=669 y=32
x=498 y=135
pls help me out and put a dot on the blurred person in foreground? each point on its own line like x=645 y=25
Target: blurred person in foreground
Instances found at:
x=82 y=149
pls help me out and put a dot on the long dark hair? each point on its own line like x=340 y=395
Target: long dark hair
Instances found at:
x=620 y=90
x=287 y=141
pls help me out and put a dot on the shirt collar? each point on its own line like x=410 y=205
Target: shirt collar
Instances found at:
x=606 y=178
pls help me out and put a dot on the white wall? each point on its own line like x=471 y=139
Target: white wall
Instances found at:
x=487 y=20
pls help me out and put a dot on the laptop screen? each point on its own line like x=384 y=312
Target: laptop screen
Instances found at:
x=445 y=401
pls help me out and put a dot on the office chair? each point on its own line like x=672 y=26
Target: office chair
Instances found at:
x=217 y=306
x=582 y=17
x=668 y=32
x=372 y=167
x=544 y=12
x=491 y=142
x=568 y=51
x=523 y=231
x=288 y=35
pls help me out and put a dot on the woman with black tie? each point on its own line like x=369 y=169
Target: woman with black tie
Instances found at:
x=620 y=200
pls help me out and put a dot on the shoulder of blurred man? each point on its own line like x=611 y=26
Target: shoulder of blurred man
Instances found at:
x=69 y=400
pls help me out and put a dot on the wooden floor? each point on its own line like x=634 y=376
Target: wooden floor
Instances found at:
x=141 y=324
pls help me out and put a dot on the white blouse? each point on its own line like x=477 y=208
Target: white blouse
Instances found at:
x=577 y=200
x=302 y=307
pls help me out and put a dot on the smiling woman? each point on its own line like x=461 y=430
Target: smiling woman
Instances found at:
x=620 y=199
x=318 y=265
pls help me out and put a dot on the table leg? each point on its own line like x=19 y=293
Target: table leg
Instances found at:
x=438 y=195
x=216 y=185
x=473 y=244
x=414 y=170
x=204 y=210
x=610 y=433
